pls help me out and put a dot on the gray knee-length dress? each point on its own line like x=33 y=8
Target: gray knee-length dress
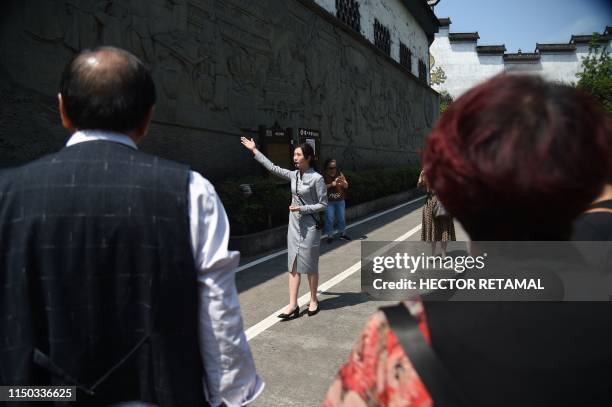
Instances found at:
x=303 y=238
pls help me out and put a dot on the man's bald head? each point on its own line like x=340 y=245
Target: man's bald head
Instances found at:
x=107 y=89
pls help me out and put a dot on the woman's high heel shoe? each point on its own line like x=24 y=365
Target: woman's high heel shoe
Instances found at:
x=311 y=313
x=293 y=314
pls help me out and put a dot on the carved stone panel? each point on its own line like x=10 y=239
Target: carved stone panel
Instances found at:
x=219 y=66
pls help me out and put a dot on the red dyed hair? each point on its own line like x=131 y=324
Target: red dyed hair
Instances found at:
x=517 y=158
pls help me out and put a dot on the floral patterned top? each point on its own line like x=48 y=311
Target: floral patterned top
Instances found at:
x=378 y=372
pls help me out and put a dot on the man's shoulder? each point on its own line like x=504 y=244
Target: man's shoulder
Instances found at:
x=12 y=178
x=164 y=162
x=197 y=180
x=137 y=154
x=119 y=152
x=6 y=174
x=11 y=173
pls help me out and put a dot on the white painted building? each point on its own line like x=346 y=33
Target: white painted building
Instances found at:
x=459 y=62
x=409 y=22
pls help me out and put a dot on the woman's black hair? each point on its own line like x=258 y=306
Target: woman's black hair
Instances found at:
x=309 y=154
x=328 y=161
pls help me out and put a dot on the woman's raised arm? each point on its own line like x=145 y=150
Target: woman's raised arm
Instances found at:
x=263 y=160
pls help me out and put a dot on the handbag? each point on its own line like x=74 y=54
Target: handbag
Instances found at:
x=439 y=211
x=318 y=219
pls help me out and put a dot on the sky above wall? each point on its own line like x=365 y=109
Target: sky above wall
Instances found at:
x=522 y=23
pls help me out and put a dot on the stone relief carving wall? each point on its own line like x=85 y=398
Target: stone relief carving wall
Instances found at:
x=219 y=66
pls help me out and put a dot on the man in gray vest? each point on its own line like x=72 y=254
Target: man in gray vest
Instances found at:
x=115 y=275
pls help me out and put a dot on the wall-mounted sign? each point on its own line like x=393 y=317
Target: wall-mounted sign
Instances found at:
x=276 y=133
x=312 y=137
x=313 y=144
x=308 y=133
x=276 y=145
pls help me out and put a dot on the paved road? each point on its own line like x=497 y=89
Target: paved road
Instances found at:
x=299 y=358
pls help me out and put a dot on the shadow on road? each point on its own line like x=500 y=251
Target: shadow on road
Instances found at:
x=342 y=300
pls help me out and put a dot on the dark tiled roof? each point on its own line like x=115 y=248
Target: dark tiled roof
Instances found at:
x=522 y=57
x=444 y=22
x=608 y=30
x=491 y=49
x=463 y=36
x=424 y=16
x=555 y=47
x=585 y=39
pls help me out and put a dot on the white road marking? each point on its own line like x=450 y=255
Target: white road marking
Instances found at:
x=272 y=319
x=261 y=260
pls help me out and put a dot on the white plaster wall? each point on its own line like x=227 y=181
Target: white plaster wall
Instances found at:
x=464 y=68
x=557 y=67
x=329 y=5
x=561 y=67
x=523 y=68
x=401 y=24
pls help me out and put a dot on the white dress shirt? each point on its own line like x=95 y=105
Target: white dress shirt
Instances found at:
x=229 y=367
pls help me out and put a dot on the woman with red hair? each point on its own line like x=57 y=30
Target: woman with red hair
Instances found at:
x=515 y=158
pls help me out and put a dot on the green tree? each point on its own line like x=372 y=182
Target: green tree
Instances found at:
x=445 y=100
x=596 y=75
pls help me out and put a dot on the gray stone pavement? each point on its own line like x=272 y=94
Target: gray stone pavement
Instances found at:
x=298 y=359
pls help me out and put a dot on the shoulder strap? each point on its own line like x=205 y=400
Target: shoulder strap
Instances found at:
x=430 y=369
x=600 y=210
x=302 y=201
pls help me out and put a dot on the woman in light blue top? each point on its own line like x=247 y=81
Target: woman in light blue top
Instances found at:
x=309 y=199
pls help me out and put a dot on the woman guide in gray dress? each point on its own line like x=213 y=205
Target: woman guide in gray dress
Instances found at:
x=308 y=201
